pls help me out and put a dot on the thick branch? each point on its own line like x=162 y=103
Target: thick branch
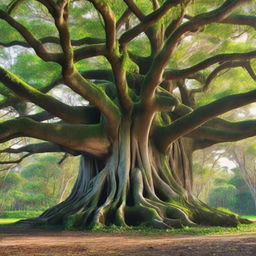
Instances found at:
x=47 y=102
x=110 y=22
x=236 y=20
x=44 y=147
x=42 y=116
x=186 y=124
x=165 y=101
x=96 y=97
x=81 y=138
x=61 y=23
x=234 y=132
x=89 y=115
x=89 y=51
x=113 y=57
x=241 y=20
x=219 y=130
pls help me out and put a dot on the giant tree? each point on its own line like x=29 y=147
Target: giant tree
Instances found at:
x=142 y=122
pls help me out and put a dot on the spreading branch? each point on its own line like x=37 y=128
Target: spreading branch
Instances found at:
x=241 y=20
x=87 y=139
x=113 y=57
x=47 y=102
x=30 y=39
x=134 y=9
x=44 y=147
x=225 y=65
x=123 y=19
x=17 y=161
x=186 y=124
x=233 y=131
x=55 y=40
x=148 y=21
x=109 y=21
x=219 y=58
x=14 y=4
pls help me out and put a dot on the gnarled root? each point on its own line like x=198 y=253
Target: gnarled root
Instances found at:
x=136 y=186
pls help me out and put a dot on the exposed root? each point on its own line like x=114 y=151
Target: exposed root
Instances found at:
x=132 y=188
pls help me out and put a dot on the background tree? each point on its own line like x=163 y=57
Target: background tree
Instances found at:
x=36 y=184
x=143 y=121
x=229 y=190
x=206 y=169
x=244 y=157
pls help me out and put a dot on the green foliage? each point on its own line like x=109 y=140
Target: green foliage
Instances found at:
x=34 y=71
x=226 y=210
x=223 y=195
x=39 y=184
x=10 y=180
x=95 y=63
x=8 y=33
x=231 y=192
x=202 y=171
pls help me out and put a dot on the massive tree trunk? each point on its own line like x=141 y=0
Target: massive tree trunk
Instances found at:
x=136 y=184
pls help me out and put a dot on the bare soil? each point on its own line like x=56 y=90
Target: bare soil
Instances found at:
x=35 y=242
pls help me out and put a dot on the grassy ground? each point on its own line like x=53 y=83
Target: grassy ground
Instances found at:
x=200 y=230
x=241 y=229
x=8 y=220
x=143 y=230
x=250 y=217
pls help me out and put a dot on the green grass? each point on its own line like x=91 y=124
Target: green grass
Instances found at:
x=8 y=221
x=143 y=230
x=19 y=214
x=9 y=217
x=250 y=217
x=200 y=230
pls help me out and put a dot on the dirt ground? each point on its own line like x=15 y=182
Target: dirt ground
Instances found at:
x=33 y=242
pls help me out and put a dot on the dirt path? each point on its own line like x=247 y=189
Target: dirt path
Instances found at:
x=27 y=242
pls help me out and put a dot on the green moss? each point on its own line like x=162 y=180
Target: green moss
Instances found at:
x=226 y=210
x=128 y=64
x=180 y=206
x=74 y=221
x=138 y=214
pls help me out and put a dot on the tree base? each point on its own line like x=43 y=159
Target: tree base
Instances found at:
x=132 y=190
x=169 y=217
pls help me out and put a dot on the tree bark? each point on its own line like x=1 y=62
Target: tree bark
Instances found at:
x=136 y=185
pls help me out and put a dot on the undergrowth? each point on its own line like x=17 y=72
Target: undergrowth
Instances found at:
x=200 y=230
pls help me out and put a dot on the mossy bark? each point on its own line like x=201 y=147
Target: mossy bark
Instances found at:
x=136 y=185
